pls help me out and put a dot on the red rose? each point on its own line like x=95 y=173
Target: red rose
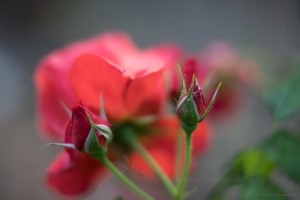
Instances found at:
x=120 y=62
x=133 y=85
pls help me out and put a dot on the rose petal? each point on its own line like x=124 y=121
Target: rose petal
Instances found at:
x=74 y=178
x=52 y=85
x=146 y=96
x=120 y=51
x=201 y=137
x=51 y=90
x=91 y=75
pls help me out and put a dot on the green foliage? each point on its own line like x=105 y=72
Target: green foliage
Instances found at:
x=261 y=191
x=283 y=97
x=245 y=166
x=279 y=151
x=118 y=198
x=219 y=190
x=255 y=163
x=283 y=149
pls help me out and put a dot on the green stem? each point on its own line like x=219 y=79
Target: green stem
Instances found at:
x=166 y=181
x=187 y=162
x=124 y=179
x=178 y=155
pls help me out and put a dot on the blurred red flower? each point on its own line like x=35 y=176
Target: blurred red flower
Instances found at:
x=221 y=62
x=133 y=85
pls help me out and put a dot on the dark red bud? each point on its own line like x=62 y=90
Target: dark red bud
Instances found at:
x=80 y=125
x=199 y=99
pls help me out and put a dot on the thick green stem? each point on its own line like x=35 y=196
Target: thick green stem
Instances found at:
x=124 y=179
x=166 y=181
x=187 y=162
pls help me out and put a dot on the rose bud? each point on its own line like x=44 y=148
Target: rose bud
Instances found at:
x=86 y=132
x=191 y=106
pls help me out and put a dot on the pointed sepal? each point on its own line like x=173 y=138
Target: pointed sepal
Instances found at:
x=102 y=110
x=68 y=111
x=66 y=145
x=211 y=103
x=99 y=137
x=183 y=84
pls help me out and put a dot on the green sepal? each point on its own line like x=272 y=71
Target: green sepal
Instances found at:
x=106 y=132
x=183 y=84
x=102 y=110
x=92 y=145
x=66 y=145
x=211 y=103
x=68 y=111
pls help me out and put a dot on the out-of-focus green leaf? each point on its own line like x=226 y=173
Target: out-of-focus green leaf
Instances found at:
x=245 y=165
x=283 y=149
x=255 y=163
x=283 y=97
x=118 y=197
x=234 y=172
x=261 y=191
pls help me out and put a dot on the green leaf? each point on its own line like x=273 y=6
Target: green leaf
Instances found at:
x=283 y=149
x=255 y=163
x=283 y=98
x=261 y=191
x=233 y=173
x=245 y=165
x=118 y=198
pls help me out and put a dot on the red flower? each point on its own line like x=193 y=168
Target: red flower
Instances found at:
x=117 y=53
x=235 y=72
x=132 y=83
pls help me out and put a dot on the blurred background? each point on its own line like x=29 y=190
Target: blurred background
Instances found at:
x=266 y=32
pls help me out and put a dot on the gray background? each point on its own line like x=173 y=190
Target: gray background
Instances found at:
x=267 y=31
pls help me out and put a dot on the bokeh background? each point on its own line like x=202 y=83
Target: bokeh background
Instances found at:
x=265 y=31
